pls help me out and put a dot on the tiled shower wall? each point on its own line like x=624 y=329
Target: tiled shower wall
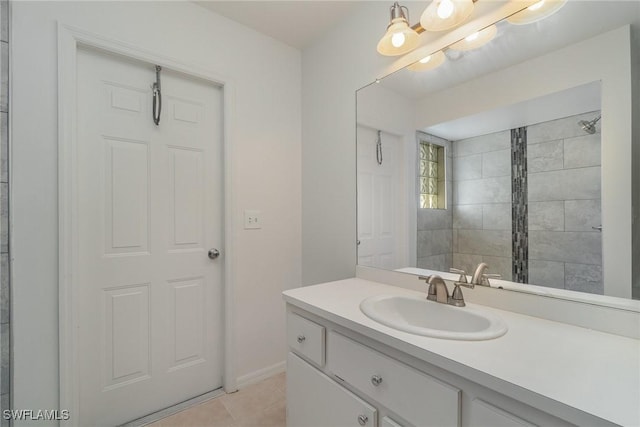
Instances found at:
x=4 y=211
x=434 y=225
x=482 y=203
x=564 y=205
x=562 y=172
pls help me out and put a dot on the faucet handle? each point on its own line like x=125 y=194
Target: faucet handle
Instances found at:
x=462 y=273
x=431 y=294
x=487 y=276
x=465 y=284
x=457 y=299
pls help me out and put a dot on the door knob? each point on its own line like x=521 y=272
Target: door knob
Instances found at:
x=214 y=253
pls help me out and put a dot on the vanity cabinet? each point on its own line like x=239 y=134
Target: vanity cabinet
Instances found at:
x=315 y=400
x=420 y=399
x=336 y=377
x=306 y=338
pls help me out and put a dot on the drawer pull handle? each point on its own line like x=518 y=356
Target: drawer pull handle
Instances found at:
x=301 y=338
x=376 y=380
x=362 y=419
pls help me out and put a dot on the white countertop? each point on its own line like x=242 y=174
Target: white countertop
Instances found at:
x=592 y=371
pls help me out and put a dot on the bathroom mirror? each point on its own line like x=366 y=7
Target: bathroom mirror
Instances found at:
x=506 y=154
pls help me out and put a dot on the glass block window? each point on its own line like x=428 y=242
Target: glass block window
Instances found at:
x=431 y=176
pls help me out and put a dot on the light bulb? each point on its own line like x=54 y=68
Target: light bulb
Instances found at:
x=475 y=40
x=397 y=39
x=472 y=37
x=445 y=9
x=428 y=62
x=536 y=6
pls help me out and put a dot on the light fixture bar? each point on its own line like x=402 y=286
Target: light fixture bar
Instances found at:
x=418 y=28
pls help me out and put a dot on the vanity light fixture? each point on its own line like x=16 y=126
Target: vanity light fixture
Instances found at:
x=440 y=15
x=443 y=15
x=399 y=38
x=536 y=12
x=476 y=39
x=429 y=62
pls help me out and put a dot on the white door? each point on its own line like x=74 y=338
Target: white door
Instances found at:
x=380 y=200
x=149 y=209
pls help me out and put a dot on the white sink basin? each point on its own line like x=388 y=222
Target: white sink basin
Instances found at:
x=416 y=315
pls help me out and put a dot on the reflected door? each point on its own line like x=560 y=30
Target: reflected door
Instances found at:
x=150 y=208
x=380 y=200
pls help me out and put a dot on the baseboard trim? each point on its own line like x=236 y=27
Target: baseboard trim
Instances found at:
x=172 y=410
x=260 y=374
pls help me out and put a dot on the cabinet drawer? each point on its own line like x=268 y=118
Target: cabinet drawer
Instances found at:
x=306 y=338
x=422 y=400
x=315 y=400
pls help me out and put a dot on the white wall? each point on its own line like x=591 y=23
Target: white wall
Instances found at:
x=266 y=150
x=635 y=75
x=571 y=66
x=333 y=69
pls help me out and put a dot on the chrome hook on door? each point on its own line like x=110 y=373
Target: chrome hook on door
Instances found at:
x=157 y=97
x=379 y=148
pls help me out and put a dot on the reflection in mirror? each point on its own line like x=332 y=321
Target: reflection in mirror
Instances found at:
x=514 y=182
x=526 y=201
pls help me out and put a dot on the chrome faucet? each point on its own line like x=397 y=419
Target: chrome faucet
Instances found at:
x=477 y=275
x=439 y=292
x=480 y=277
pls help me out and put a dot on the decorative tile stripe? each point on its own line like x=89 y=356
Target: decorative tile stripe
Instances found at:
x=519 y=206
x=5 y=297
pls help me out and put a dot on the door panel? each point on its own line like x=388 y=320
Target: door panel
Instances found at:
x=186 y=198
x=126 y=315
x=149 y=208
x=127 y=194
x=187 y=328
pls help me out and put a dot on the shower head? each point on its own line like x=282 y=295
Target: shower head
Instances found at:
x=589 y=126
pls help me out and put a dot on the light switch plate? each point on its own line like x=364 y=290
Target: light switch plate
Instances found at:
x=252 y=219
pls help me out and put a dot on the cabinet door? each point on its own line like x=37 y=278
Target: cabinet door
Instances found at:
x=315 y=400
x=388 y=422
x=484 y=414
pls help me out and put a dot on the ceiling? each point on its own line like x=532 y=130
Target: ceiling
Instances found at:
x=299 y=23
x=569 y=102
x=296 y=23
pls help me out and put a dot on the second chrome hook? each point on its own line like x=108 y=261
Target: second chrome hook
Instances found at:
x=157 y=97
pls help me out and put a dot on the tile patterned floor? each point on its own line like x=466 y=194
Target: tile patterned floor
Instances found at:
x=258 y=405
